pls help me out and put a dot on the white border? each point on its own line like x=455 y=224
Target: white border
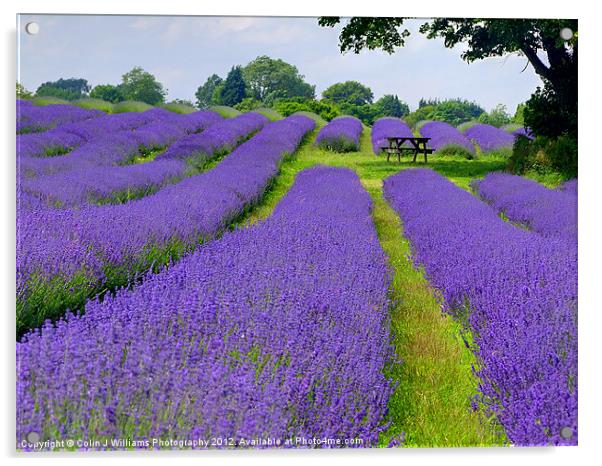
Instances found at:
x=589 y=191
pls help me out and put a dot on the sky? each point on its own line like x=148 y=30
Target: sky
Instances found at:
x=183 y=51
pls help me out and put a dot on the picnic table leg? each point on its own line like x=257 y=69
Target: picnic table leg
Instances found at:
x=415 y=154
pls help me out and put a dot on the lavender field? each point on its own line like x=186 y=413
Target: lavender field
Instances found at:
x=228 y=279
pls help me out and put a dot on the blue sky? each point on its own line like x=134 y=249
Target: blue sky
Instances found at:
x=183 y=51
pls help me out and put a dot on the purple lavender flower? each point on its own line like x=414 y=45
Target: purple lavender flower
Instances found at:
x=97 y=184
x=518 y=130
x=125 y=236
x=489 y=138
x=276 y=331
x=569 y=187
x=341 y=135
x=547 y=211
x=34 y=119
x=445 y=137
x=388 y=127
x=515 y=290
x=221 y=137
x=128 y=134
x=92 y=181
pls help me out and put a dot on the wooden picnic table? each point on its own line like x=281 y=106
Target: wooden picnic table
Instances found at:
x=417 y=146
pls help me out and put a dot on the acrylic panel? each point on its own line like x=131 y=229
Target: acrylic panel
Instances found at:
x=281 y=232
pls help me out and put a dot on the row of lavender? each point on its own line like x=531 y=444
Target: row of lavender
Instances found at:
x=66 y=255
x=516 y=289
x=547 y=211
x=109 y=140
x=95 y=182
x=342 y=134
x=277 y=331
x=444 y=137
x=33 y=119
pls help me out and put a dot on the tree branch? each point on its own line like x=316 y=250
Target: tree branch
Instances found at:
x=538 y=65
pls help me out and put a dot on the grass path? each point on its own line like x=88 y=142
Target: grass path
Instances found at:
x=431 y=406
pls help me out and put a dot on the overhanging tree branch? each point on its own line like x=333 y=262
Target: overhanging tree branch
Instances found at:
x=540 y=68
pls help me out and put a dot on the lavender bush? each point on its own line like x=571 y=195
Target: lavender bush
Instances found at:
x=569 y=186
x=275 y=332
x=129 y=136
x=218 y=138
x=445 y=138
x=340 y=135
x=388 y=127
x=517 y=130
x=35 y=145
x=128 y=239
x=92 y=183
x=33 y=119
x=489 y=138
x=515 y=290
x=547 y=211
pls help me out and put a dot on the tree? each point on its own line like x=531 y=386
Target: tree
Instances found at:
x=141 y=85
x=428 y=102
x=269 y=79
x=324 y=108
x=368 y=113
x=23 y=93
x=248 y=104
x=205 y=94
x=107 y=92
x=186 y=102
x=519 y=117
x=390 y=105
x=452 y=111
x=349 y=93
x=497 y=117
x=70 y=89
x=456 y=111
x=422 y=113
x=489 y=38
x=234 y=89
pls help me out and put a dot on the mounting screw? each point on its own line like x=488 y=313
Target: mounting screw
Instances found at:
x=566 y=33
x=566 y=433
x=32 y=28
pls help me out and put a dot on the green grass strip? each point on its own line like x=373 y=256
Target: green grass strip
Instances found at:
x=432 y=403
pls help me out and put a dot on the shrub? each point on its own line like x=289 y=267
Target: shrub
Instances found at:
x=94 y=104
x=314 y=116
x=544 y=155
x=177 y=107
x=455 y=150
x=49 y=100
x=225 y=111
x=131 y=106
x=272 y=114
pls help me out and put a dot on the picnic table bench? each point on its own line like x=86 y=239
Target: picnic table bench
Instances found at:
x=417 y=146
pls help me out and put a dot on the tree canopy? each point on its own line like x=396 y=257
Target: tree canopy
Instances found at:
x=23 y=93
x=70 y=89
x=552 y=110
x=107 y=92
x=234 y=89
x=205 y=94
x=390 y=105
x=452 y=111
x=141 y=85
x=350 y=93
x=497 y=117
x=268 y=79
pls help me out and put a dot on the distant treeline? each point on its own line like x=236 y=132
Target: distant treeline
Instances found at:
x=272 y=83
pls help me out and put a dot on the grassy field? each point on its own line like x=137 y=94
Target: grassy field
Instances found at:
x=431 y=406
